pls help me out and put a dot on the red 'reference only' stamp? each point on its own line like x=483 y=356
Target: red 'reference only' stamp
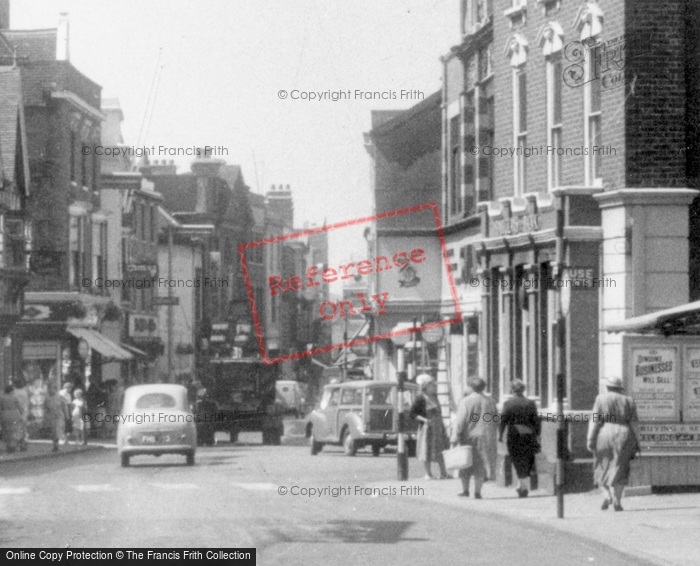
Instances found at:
x=406 y=272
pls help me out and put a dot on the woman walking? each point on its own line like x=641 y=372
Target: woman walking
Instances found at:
x=613 y=434
x=431 y=439
x=475 y=426
x=56 y=413
x=521 y=418
x=10 y=419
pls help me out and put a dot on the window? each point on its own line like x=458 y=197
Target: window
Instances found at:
x=78 y=263
x=589 y=23
x=554 y=120
x=14 y=242
x=520 y=129
x=455 y=173
x=99 y=248
x=475 y=13
x=72 y=155
x=83 y=166
x=486 y=139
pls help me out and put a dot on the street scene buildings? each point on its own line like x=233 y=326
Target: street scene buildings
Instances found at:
x=544 y=198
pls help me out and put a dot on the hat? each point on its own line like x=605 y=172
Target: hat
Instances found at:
x=423 y=379
x=614 y=382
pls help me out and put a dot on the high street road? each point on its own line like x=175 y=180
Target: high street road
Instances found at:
x=235 y=497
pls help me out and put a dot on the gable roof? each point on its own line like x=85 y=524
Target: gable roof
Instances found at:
x=12 y=132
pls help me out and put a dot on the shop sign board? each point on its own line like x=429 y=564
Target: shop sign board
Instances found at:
x=654 y=382
x=670 y=435
x=142 y=326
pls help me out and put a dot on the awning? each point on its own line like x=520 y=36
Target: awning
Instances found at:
x=134 y=350
x=684 y=319
x=103 y=345
x=362 y=332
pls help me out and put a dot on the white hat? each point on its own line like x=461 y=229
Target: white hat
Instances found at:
x=614 y=382
x=423 y=379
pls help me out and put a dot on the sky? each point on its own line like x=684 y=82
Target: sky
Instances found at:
x=223 y=63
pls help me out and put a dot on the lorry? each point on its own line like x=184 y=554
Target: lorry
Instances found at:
x=240 y=396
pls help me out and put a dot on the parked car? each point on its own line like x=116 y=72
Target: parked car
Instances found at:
x=156 y=419
x=357 y=414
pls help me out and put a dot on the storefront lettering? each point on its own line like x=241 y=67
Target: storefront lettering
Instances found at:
x=515 y=225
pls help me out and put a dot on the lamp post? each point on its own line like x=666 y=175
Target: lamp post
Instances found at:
x=401 y=452
x=561 y=311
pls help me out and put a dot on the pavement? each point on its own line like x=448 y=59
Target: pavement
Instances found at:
x=659 y=528
x=37 y=449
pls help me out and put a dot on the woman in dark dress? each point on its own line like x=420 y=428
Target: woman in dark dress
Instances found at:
x=431 y=439
x=613 y=434
x=523 y=422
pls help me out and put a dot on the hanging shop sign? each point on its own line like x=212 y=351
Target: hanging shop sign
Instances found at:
x=142 y=326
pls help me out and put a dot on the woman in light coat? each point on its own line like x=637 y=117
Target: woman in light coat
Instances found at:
x=613 y=434
x=476 y=426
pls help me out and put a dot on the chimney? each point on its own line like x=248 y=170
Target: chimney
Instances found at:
x=4 y=14
x=281 y=205
x=62 y=53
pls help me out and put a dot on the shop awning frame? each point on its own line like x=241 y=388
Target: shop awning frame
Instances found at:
x=684 y=319
x=107 y=349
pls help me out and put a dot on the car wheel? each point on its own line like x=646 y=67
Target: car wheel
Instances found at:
x=190 y=458
x=315 y=446
x=349 y=444
x=125 y=460
x=376 y=449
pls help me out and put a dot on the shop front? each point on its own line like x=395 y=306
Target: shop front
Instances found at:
x=144 y=342
x=539 y=264
x=61 y=342
x=661 y=357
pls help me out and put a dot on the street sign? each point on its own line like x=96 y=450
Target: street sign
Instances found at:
x=166 y=301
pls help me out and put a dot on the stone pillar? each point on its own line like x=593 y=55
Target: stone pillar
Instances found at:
x=644 y=267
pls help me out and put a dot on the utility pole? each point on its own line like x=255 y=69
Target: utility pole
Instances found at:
x=170 y=304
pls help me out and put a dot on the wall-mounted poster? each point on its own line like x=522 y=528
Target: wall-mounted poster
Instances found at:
x=654 y=382
x=691 y=393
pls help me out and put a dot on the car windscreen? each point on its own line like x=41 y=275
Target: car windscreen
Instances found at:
x=156 y=401
x=379 y=396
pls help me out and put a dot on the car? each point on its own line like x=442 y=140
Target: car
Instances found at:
x=291 y=395
x=357 y=414
x=156 y=419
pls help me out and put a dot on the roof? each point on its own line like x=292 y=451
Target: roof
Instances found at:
x=412 y=133
x=684 y=319
x=36 y=44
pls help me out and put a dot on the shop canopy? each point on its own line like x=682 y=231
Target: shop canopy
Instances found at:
x=107 y=349
x=684 y=319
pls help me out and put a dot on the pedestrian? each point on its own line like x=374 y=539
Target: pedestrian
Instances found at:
x=78 y=411
x=523 y=423
x=613 y=437
x=67 y=394
x=23 y=397
x=56 y=414
x=10 y=418
x=476 y=426
x=431 y=438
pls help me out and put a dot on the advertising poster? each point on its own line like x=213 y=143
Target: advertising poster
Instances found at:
x=691 y=394
x=654 y=382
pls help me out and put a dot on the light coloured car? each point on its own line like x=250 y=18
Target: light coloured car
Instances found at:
x=156 y=419
x=356 y=414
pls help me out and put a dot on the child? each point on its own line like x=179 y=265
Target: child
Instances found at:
x=79 y=408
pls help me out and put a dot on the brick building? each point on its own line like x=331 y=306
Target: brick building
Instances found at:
x=60 y=328
x=569 y=142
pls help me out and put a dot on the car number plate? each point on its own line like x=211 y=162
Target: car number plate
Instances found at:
x=155 y=439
